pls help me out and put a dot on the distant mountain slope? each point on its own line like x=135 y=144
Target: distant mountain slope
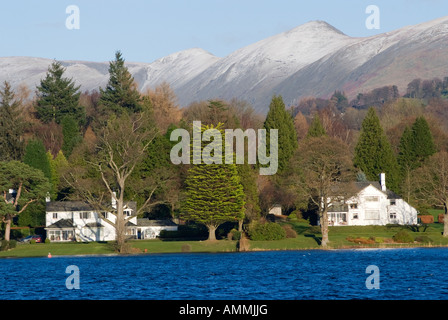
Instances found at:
x=314 y=59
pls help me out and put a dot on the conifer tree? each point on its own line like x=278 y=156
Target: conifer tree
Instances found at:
x=36 y=157
x=316 y=128
x=11 y=126
x=373 y=153
x=214 y=194
x=58 y=96
x=423 y=143
x=279 y=118
x=121 y=93
x=71 y=133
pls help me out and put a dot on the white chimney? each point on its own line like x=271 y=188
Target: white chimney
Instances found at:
x=114 y=201
x=47 y=197
x=383 y=182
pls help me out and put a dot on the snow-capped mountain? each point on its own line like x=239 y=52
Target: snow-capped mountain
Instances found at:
x=314 y=59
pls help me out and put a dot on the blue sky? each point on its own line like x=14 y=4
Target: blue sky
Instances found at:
x=145 y=30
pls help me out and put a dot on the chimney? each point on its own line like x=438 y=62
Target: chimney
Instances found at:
x=47 y=197
x=114 y=202
x=383 y=182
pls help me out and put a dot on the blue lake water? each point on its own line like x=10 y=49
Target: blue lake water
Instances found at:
x=404 y=274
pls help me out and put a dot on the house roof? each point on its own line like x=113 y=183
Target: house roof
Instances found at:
x=151 y=223
x=68 y=206
x=364 y=184
x=62 y=224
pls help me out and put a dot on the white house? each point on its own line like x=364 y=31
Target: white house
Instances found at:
x=374 y=204
x=76 y=221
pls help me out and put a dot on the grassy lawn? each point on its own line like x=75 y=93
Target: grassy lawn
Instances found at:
x=307 y=238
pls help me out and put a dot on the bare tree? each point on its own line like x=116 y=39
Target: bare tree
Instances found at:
x=121 y=147
x=431 y=184
x=325 y=175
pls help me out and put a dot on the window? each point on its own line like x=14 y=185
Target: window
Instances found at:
x=84 y=215
x=127 y=212
x=355 y=215
x=393 y=202
x=55 y=215
x=372 y=199
x=354 y=206
x=372 y=214
x=393 y=216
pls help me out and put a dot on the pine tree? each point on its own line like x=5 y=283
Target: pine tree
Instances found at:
x=36 y=157
x=214 y=195
x=121 y=93
x=58 y=97
x=71 y=133
x=316 y=128
x=11 y=126
x=374 y=154
x=279 y=118
x=423 y=143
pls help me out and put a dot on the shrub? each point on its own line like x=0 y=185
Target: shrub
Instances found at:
x=186 y=248
x=32 y=241
x=424 y=239
x=290 y=232
x=266 y=231
x=234 y=235
x=6 y=245
x=47 y=240
x=314 y=230
x=403 y=237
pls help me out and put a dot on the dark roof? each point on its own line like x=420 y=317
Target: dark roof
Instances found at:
x=155 y=223
x=61 y=224
x=68 y=206
x=94 y=225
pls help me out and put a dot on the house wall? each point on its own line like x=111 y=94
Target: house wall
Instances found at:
x=82 y=231
x=368 y=212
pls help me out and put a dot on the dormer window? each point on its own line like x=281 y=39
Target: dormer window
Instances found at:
x=393 y=202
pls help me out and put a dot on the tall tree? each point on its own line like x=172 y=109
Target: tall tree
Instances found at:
x=374 y=154
x=279 y=118
x=71 y=133
x=11 y=125
x=29 y=184
x=423 y=142
x=36 y=157
x=121 y=92
x=122 y=146
x=323 y=175
x=58 y=96
x=214 y=193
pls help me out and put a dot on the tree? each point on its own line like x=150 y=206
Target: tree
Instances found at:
x=214 y=193
x=29 y=184
x=121 y=94
x=324 y=175
x=121 y=147
x=279 y=118
x=36 y=157
x=57 y=166
x=423 y=143
x=11 y=125
x=71 y=133
x=373 y=152
x=316 y=128
x=431 y=184
x=58 y=97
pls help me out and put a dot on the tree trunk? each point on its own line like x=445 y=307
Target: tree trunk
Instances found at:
x=445 y=221
x=324 y=228
x=8 y=228
x=211 y=232
x=240 y=225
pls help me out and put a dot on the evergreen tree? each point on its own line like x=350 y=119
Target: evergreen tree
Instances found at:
x=374 y=154
x=71 y=133
x=11 y=126
x=316 y=128
x=121 y=93
x=279 y=118
x=36 y=157
x=214 y=195
x=58 y=97
x=423 y=143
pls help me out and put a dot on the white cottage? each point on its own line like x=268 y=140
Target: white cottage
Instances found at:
x=76 y=221
x=374 y=204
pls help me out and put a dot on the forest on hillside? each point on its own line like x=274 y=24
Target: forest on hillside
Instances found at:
x=81 y=140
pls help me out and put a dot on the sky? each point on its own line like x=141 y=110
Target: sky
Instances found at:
x=146 y=30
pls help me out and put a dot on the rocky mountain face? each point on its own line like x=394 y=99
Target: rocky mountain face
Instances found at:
x=314 y=59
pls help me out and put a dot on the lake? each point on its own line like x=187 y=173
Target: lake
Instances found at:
x=401 y=274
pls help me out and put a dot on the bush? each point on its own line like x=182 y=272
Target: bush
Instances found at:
x=6 y=245
x=234 y=235
x=47 y=240
x=290 y=232
x=32 y=241
x=313 y=230
x=424 y=239
x=266 y=231
x=186 y=248
x=403 y=237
